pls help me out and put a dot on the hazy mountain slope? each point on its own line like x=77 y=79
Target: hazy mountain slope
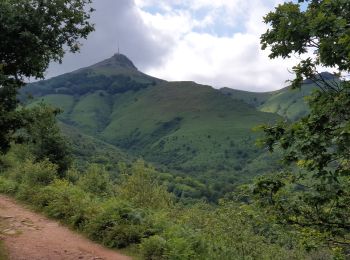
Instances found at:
x=286 y=102
x=252 y=98
x=289 y=103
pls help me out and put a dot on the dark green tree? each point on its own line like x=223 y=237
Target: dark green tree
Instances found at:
x=44 y=137
x=32 y=34
x=323 y=29
x=317 y=194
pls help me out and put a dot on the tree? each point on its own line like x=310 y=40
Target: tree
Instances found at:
x=96 y=180
x=142 y=188
x=323 y=28
x=32 y=34
x=318 y=195
x=44 y=137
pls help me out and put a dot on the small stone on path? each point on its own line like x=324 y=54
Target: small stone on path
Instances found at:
x=9 y=232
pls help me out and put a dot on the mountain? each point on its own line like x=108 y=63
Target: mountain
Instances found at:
x=87 y=149
x=254 y=99
x=114 y=75
x=181 y=126
x=288 y=103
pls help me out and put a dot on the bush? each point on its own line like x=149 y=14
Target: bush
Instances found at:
x=34 y=174
x=18 y=154
x=66 y=202
x=177 y=241
x=96 y=181
x=25 y=179
x=153 y=248
x=72 y=175
x=119 y=224
x=8 y=186
x=26 y=192
x=143 y=190
x=184 y=242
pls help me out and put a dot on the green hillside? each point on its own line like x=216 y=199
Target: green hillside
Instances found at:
x=87 y=149
x=255 y=99
x=286 y=102
x=185 y=126
x=182 y=126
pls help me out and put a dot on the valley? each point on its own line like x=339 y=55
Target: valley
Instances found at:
x=98 y=156
x=182 y=127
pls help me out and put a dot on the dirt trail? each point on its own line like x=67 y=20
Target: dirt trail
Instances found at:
x=29 y=236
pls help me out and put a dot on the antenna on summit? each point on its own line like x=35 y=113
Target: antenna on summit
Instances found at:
x=118 y=48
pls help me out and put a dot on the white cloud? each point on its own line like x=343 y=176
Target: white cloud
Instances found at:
x=172 y=23
x=210 y=42
x=232 y=60
x=117 y=21
x=213 y=60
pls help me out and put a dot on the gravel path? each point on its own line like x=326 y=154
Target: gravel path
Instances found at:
x=30 y=236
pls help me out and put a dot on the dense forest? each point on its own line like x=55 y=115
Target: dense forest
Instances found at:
x=176 y=203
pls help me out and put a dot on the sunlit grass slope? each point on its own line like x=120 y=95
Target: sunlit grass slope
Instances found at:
x=186 y=126
x=286 y=102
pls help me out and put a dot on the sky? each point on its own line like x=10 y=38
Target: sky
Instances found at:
x=210 y=42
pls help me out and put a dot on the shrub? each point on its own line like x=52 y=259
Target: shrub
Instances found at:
x=119 y=224
x=8 y=186
x=64 y=201
x=153 y=248
x=18 y=154
x=96 y=181
x=176 y=241
x=183 y=242
x=26 y=192
x=143 y=190
x=72 y=175
x=34 y=174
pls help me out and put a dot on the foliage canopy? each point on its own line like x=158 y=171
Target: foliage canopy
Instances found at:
x=318 y=194
x=323 y=29
x=34 y=33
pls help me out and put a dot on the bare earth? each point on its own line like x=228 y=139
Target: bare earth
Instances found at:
x=30 y=236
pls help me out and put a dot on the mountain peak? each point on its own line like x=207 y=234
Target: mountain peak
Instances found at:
x=323 y=75
x=117 y=60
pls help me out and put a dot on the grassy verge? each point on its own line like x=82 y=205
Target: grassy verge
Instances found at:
x=3 y=254
x=140 y=217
